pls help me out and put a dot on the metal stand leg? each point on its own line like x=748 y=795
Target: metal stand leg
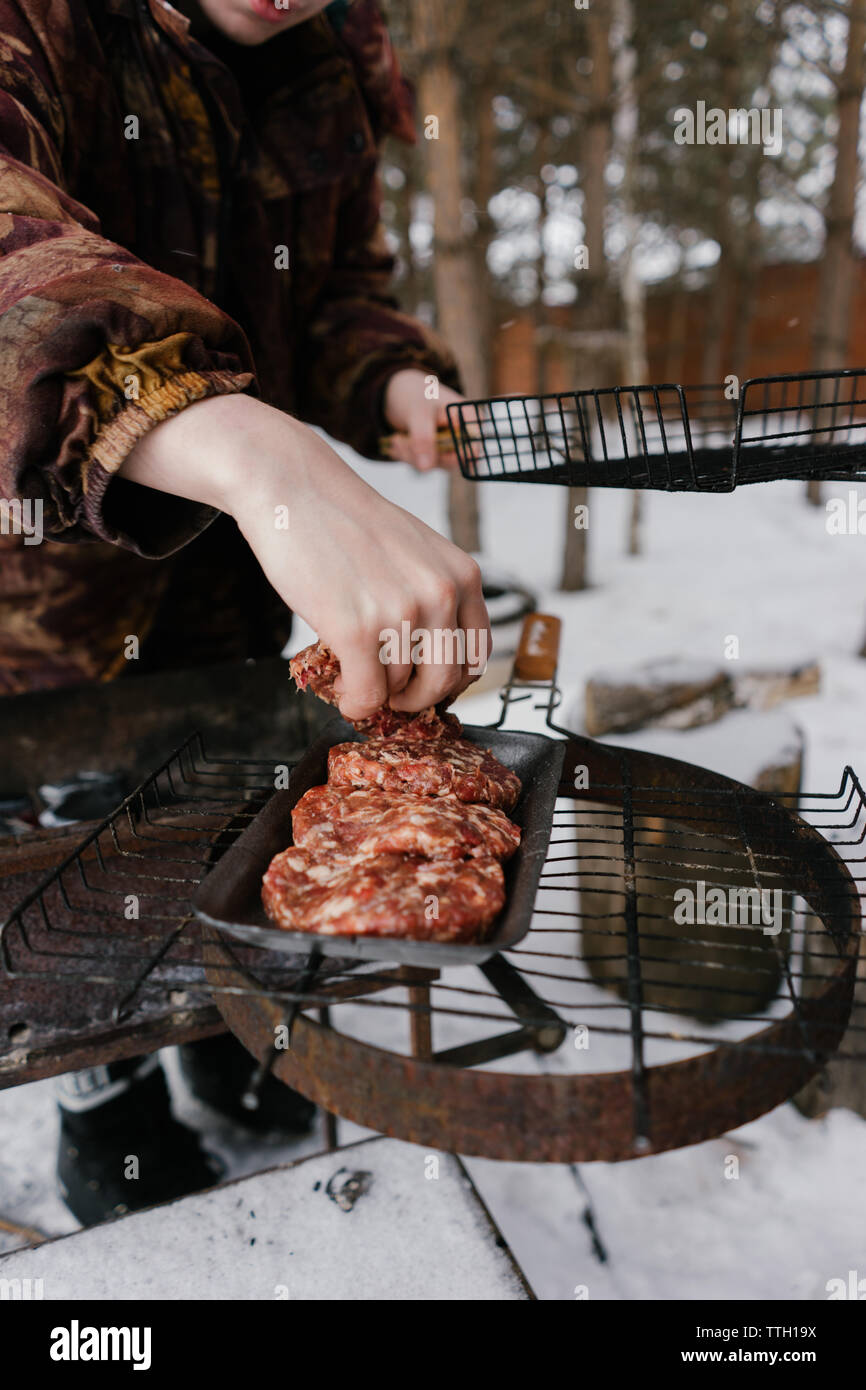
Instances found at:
x=331 y=1138
x=420 y=1012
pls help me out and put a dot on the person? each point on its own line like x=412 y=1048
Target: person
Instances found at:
x=194 y=273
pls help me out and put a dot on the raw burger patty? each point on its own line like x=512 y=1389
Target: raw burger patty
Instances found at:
x=418 y=899
x=365 y=821
x=316 y=669
x=453 y=767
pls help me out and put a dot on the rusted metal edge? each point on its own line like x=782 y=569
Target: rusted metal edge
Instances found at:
x=203 y=1021
x=571 y=1118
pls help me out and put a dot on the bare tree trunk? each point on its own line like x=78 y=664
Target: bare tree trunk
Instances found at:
x=574 y=565
x=747 y=279
x=483 y=190
x=631 y=287
x=836 y=273
x=637 y=371
x=678 y=318
x=404 y=202
x=593 y=302
x=721 y=291
x=435 y=30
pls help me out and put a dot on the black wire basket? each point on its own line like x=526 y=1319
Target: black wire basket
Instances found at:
x=811 y=425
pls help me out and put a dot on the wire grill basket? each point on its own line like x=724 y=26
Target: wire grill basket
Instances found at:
x=670 y=438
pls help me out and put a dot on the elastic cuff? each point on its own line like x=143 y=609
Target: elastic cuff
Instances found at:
x=118 y=436
x=149 y=523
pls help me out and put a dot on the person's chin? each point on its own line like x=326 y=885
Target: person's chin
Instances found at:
x=250 y=32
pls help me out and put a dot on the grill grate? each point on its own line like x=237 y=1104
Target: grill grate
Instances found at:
x=116 y=911
x=604 y=960
x=671 y=438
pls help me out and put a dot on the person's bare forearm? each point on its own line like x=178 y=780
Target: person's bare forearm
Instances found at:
x=198 y=453
x=350 y=563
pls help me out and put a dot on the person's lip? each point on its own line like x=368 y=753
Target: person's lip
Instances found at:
x=266 y=9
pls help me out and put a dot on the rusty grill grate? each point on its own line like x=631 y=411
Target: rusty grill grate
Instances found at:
x=671 y=438
x=607 y=982
x=606 y=986
x=116 y=910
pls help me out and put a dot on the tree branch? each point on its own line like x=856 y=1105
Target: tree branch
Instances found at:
x=540 y=87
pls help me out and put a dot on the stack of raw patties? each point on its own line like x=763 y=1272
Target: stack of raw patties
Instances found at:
x=407 y=837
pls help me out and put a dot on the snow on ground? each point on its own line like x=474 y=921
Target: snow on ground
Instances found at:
x=284 y=1234
x=759 y=565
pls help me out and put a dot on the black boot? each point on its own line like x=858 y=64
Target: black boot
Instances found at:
x=218 y=1071
x=121 y=1149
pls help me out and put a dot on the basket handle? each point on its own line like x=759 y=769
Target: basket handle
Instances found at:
x=538 y=649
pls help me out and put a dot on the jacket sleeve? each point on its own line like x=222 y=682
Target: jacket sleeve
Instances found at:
x=358 y=337
x=95 y=346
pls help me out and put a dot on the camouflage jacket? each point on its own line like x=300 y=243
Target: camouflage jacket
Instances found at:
x=176 y=221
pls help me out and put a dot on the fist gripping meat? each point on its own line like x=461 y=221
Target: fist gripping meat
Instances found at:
x=406 y=838
x=316 y=669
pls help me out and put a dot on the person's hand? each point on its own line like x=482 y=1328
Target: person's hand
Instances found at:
x=350 y=563
x=415 y=420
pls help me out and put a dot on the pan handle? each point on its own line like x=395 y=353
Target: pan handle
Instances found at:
x=538 y=649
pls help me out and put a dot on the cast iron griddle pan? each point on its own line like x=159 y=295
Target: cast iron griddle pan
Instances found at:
x=230 y=897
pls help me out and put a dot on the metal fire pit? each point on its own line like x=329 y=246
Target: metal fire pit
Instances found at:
x=422 y=1054
x=450 y=1099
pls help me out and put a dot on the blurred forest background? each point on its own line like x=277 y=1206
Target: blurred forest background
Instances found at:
x=560 y=237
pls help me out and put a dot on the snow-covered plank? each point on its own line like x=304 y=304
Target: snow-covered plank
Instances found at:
x=378 y=1220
